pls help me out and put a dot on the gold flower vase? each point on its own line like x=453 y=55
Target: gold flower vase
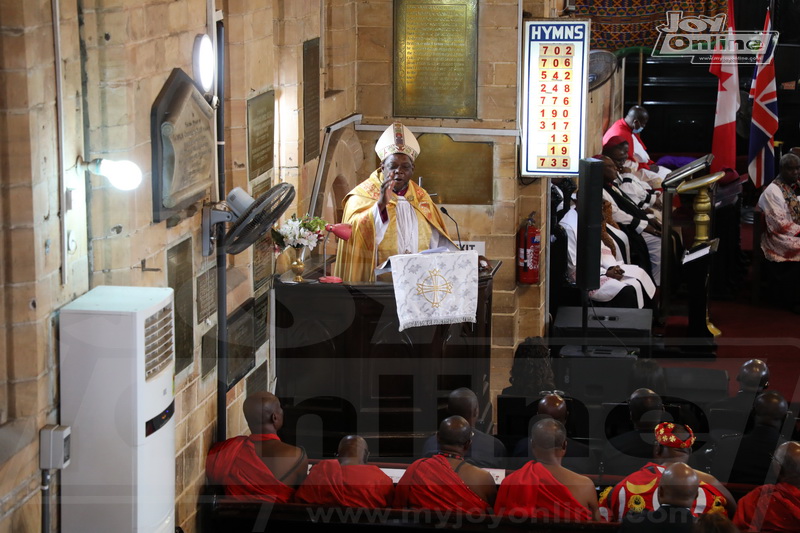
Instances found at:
x=298 y=263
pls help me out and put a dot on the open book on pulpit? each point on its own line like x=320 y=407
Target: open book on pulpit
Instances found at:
x=701 y=250
x=435 y=288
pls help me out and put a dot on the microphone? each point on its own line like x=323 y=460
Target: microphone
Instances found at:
x=460 y=247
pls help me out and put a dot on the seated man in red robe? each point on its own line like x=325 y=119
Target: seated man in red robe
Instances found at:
x=446 y=481
x=639 y=491
x=543 y=488
x=258 y=466
x=773 y=508
x=347 y=481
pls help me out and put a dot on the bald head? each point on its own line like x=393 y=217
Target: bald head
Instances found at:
x=678 y=485
x=464 y=403
x=554 y=406
x=753 y=376
x=787 y=462
x=637 y=114
x=455 y=434
x=548 y=434
x=646 y=409
x=353 y=450
x=263 y=412
x=770 y=409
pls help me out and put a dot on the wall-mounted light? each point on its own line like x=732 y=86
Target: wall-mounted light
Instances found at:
x=204 y=62
x=124 y=175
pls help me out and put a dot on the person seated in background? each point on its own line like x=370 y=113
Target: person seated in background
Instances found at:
x=486 y=451
x=753 y=378
x=258 y=466
x=746 y=459
x=648 y=374
x=447 y=481
x=621 y=285
x=677 y=490
x=714 y=523
x=780 y=241
x=774 y=508
x=642 y=193
x=633 y=449
x=543 y=489
x=347 y=481
x=576 y=458
x=644 y=233
x=638 y=491
x=629 y=129
x=531 y=372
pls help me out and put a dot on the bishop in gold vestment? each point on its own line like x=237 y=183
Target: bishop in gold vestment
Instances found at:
x=390 y=214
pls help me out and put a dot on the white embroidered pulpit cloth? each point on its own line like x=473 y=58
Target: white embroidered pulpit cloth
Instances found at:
x=435 y=288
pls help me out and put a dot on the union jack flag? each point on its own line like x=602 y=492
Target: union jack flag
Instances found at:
x=761 y=155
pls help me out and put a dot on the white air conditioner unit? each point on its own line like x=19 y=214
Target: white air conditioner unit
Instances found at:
x=117 y=365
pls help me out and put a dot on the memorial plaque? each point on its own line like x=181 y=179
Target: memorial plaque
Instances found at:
x=180 y=278
x=258 y=380
x=182 y=133
x=206 y=294
x=260 y=134
x=263 y=255
x=459 y=173
x=208 y=352
x=261 y=317
x=241 y=343
x=436 y=58
x=310 y=99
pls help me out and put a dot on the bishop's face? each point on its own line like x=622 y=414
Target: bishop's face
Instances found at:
x=791 y=170
x=400 y=168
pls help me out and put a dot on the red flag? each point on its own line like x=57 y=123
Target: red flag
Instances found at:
x=724 y=66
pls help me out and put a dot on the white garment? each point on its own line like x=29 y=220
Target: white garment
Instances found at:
x=609 y=287
x=781 y=240
x=653 y=243
x=640 y=192
x=407 y=229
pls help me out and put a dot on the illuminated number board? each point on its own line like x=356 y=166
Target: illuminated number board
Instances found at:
x=554 y=96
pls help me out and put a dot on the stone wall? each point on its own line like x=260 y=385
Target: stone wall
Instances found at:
x=117 y=54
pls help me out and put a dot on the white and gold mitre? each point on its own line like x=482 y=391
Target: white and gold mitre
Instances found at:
x=397 y=139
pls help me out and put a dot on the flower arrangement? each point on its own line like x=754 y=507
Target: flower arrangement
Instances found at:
x=297 y=233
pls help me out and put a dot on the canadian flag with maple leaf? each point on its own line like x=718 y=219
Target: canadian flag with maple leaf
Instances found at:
x=726 y=68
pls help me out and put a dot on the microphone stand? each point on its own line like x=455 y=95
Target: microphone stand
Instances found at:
x=460 y=247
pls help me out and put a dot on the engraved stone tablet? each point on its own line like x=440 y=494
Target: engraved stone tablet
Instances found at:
x=182 y=134
x=208 y=352
x=459 y=173
x=260 y=133
x=436 y=58
x=241 y=343
x=263 y=255
x=310 y=99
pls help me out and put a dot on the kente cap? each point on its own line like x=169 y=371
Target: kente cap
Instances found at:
x=665 y=436
x=616 y=140
x=397 y=139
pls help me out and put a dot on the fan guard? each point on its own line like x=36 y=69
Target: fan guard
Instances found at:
x=602 y=65
x=258 y=218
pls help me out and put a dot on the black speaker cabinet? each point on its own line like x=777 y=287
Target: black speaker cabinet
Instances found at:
x=607 y=326
x=590 y=217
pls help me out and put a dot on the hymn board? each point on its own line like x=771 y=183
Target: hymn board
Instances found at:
x=554 y=92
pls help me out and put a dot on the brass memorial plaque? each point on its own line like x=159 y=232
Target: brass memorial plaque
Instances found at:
x=310 y=99
x=180 y=277
x=263 y=255
x=457 y=172
x=436 y=58
x=260 y=134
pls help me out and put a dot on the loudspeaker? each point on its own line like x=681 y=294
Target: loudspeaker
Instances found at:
x=607 y=326
x=590 y=218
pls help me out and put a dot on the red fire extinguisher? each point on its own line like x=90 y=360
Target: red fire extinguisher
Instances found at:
x=528 y=247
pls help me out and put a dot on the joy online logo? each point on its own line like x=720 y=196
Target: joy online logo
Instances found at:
x=697 y=37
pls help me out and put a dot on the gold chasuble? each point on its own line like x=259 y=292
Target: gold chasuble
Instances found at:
x=357 y=258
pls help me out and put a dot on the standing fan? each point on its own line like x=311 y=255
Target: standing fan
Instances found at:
x=602 y=65
x=250 y=220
